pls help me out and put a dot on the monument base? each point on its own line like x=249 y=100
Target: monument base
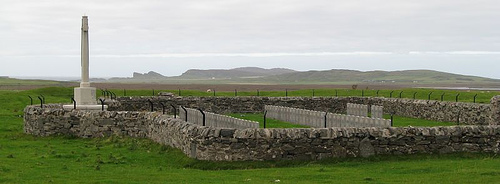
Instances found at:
x=85 y=96
x=85 y=107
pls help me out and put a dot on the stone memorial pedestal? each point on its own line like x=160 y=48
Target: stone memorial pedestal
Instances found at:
x=85 y=96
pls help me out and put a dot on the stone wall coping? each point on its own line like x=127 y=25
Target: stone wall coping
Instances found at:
x=300 y=97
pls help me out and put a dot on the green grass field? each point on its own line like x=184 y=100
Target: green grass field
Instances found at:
x=16 y=82
x=59 y=159
x=448 y=95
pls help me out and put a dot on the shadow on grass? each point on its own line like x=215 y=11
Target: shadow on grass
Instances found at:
x=344 y=162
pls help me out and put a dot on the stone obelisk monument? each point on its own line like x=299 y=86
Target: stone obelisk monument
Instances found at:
x=85 y=95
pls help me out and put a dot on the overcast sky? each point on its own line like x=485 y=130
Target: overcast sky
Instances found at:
x=42 y=37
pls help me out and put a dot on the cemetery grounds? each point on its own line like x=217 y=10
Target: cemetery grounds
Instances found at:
x=62 y=159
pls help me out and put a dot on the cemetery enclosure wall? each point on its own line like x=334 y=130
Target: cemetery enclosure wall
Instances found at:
x=209 y=143
x=466 y=113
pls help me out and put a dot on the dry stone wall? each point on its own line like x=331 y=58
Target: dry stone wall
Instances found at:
x=212 y=143
x=54 y=120
x=465 y=113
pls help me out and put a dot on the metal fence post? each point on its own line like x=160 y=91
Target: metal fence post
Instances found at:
x=286 y=92
x=185 y=113
x=74 y=102
x=336 y=93
x=326 y=113
x=377 y=92
x=203 y=114
x=214 y=92
x=265 y=114
x=31 y=100
x=392 y=119
x=102 y=103
x=175 y=110
x=442 y=96
x=414 y=95
x=475 y=98
x=258 y=93
x=235 y=92
x=41 y=102
x=390 y=95
x=456 y=97
x=400 y=94
x=152 y=105
x=429 y=96
x=43 y=98
x=163 y=108
x=313 y=92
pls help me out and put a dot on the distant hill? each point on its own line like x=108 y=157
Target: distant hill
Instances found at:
x=254 y=75
x=405 y=76
x=149 y=75
x=244 y=72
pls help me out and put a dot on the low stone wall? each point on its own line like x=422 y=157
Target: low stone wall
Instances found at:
x=466 y=113
x=208 y=143
x=53 y=120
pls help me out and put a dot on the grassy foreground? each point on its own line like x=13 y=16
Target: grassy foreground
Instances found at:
x=57 y=159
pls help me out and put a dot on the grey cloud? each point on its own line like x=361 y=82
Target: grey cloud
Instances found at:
x=252 y=27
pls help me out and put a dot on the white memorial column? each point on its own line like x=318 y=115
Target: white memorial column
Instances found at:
x=85 y=96
x=85 y=52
